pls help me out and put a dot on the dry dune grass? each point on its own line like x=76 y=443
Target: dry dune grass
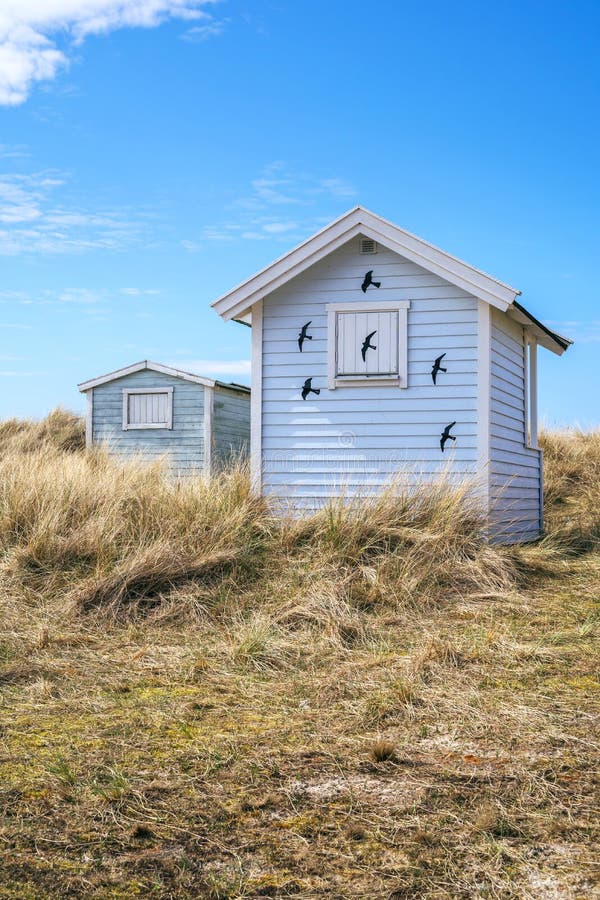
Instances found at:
x=572 y=476
x=61 y=430
x=200 y=700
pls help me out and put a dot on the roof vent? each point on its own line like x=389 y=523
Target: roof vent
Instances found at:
x=367 y=245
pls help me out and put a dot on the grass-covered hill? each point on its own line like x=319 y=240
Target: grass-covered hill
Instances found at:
x=200 y=700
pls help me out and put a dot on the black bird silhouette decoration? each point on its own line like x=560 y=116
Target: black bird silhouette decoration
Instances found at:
x=437 y=367
x=368 y=281
x=307 y=389
x=303 y=336
x=446 y=436
x=367 y=345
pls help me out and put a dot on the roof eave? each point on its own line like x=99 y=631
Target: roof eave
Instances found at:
x=238 y=301
x=545 y=336
x=141 y=366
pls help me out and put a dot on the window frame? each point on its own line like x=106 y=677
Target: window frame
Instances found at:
x=531 y=392
x=334 y=380
x=127 y=426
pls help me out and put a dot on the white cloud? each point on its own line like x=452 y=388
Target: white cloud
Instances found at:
x=85 y=297
x=13 y=152
x=138 y=292
x=337 y=187
x=210 y=28
x=32 y=220
x=274 y=190
x=581 y=332
x=14 y=297
x=279 y=227
x=258 y=213
x=36 y=36
x=79 y=295
x=280 y=184
x=20 y=198
x=253 y=236
x=213 y=366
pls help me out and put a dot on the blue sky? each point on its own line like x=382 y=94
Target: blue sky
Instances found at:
x=154 y=153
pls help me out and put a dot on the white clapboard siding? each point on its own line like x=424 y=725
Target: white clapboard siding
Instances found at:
x=355 y=439
x=515 y=469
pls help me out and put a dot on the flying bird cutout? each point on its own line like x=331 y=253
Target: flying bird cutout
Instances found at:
x=367 y=345
x=437 y=367
x=307 y=389
x=368 y=281
x=303 y=336
x=446 y=436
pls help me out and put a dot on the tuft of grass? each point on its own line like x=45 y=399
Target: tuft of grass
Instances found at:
x=259 y=643
x=60 y=430
x=383 y=751
x=61 y=770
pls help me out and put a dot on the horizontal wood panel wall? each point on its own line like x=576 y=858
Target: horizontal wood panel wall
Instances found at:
x=356 y=438
x=515 y=469
x=231 y=426
x=183 y=444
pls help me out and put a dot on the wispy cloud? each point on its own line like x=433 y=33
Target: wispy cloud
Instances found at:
x=213 y=366
x=36 y=217
x=138 y=292
x=337 y=187
x=280 y=205
x=37 y=37
x=15 y=297
x=14 y=373
x=81 y=296
x=280 y=184
x=21 y=197
x=8 y=151
x=279 y=227
x=209 y=27
x=578 y=330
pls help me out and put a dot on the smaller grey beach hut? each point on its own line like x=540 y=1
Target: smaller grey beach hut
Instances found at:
x=153 y=410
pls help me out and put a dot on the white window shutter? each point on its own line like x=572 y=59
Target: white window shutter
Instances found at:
x=352 y=331
x=348 y=326
x=148 y=408
x=346 y=347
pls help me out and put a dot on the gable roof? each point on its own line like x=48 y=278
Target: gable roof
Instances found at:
x=237 y=302
x=165 y=370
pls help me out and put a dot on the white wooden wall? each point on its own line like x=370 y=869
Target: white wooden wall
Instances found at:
x=515 y=469
x=355 y=438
